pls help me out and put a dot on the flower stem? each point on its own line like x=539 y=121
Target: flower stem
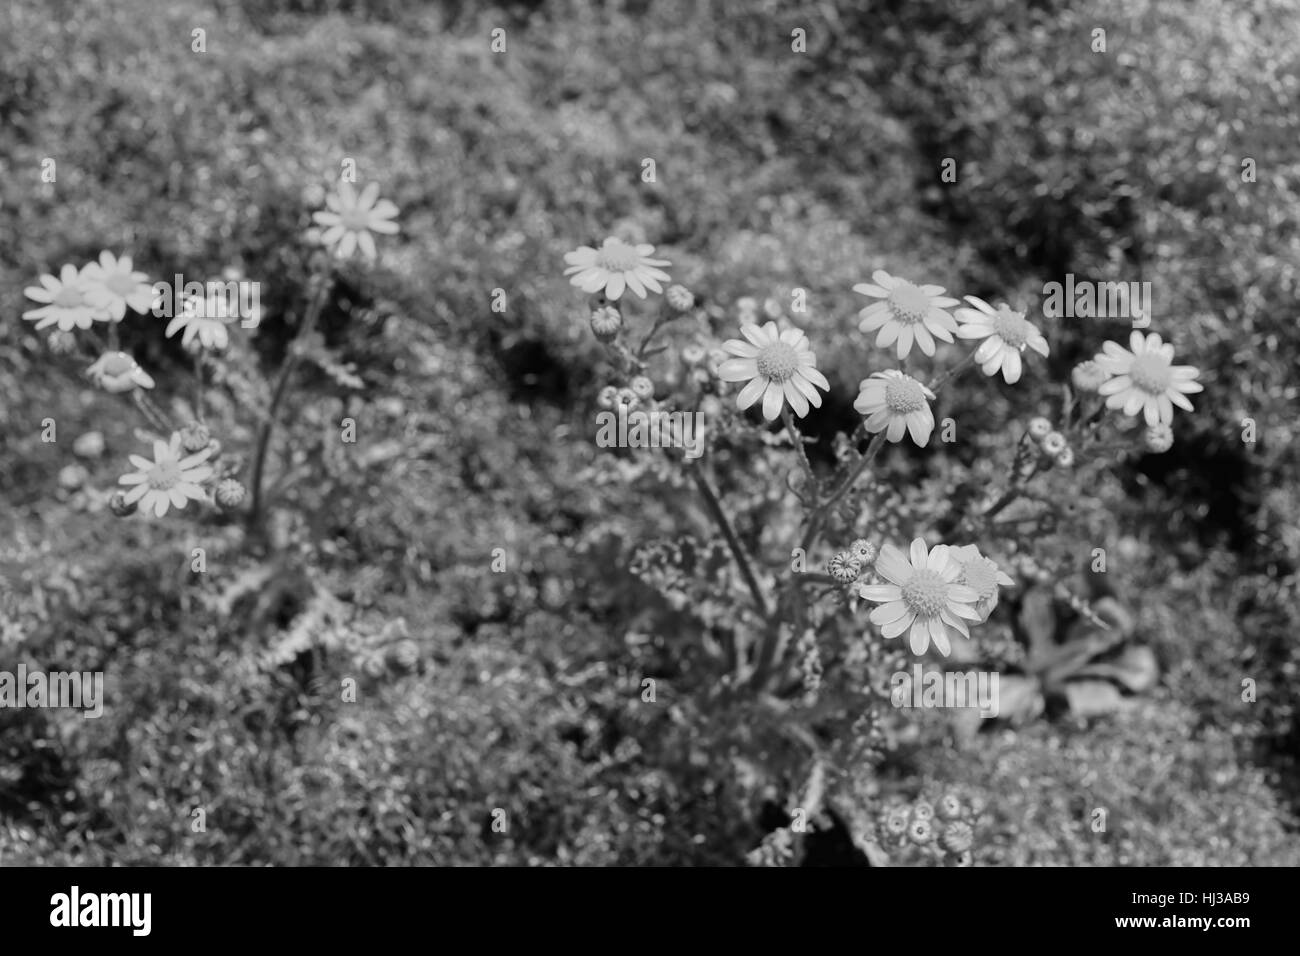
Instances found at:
x=797 y=440
x=819 y=518
x=198 y=386
x=943 y=379
x=150 y=411
x=277 y=396
x=720 y=517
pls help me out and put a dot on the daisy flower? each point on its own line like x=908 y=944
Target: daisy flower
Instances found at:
x=1005 y=332
x=118 y=372
x=351 y=219
x=169 y=480
x=779 y=367
x=907 y=313
x=1145 y=379
x=72 y=301
x=982 y=575
x=205 y=317
x=122 y=288
x=896 y=403
x=616 y=265
x=922 y=596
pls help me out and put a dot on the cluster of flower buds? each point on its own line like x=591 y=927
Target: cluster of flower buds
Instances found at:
x=847 y=566
x=1051 y=442
x=638 y=391
x=944 y=831
x=747 y=308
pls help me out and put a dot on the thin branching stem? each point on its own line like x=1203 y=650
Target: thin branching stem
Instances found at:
x=277 y=396
x=719 y=516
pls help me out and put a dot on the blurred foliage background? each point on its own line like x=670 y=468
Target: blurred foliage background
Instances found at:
x=775 y=170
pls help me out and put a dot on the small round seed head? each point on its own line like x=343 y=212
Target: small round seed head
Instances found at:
x=863 y=551
x=896 y=822
x=950 y=806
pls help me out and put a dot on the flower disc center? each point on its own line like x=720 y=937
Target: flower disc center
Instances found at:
x=69 y=297
x=120 y=284
x=1011 y=327
x=981 y=575
x=903 y=396
x=925 y=593
x=356 y=220
x=618 y=257
x=908 y=303
x=777 y=362
x=1150 y=373
x=165 y=475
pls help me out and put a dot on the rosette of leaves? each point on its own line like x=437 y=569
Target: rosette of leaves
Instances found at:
x=1081 y=659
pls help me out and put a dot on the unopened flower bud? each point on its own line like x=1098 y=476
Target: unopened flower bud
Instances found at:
x=607 y=397
x=1088 y=376
x=920 y=832
x=843 y=568
x=1039 y=427
x=950 y=807
x=230 y=494
x=120 y=506
x=1066 y=458
x=61 y=342
x=922 y=811
x=896 y=822
x=195 y=437
x=957 y=837
x=1159 y=438
x=1054 y=443
x=680 y=297
x=605 y=323
x=642 y=387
